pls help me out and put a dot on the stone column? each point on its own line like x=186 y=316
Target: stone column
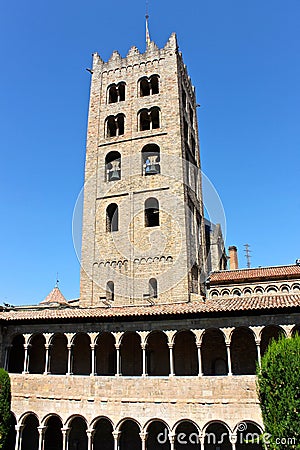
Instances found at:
x=144 y=360
x=172 y=441
x=70 y=368
x=201 y=441
x=228 y=358
x=19 y=430
x=200 y=373
x=93 y=372
x=257 y=342
x=118 y=360
x=116 y=435
x=47 y=347
x=143 y=437
x=41 y=431
x=171 y=359
x=233 y=440
x=90 y=435
x=65 y=434
x=26 y=358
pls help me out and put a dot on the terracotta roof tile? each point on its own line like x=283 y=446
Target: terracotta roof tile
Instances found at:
x=260 y=273
x=55 y=296
x=216 y=305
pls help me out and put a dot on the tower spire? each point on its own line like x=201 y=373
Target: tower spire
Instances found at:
x=148 y=40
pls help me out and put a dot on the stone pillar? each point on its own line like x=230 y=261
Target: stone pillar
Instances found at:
x=26 y=358
x=90 y=435
x=19 y=430
x=201 y=441
x=257 y=342
x=41 y=431
x=65 y=434
x=172 y=441
x=116 y=435
x=70 y=368
x=118 y=360
x=233 y=440
x=200 y=373
x=144 y=360
x=171 y=359
x=47 y=347
x=228 y=358
x=93 y=372
x=143 y=436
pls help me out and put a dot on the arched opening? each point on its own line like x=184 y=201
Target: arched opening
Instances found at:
x=103 y=438
x=111 y=127
x=120 y=124
x=154 y=117
x=158 y=436
x=185 y=354
x=16 y=355
x=248 y=439
x=268 y=334
x=243 y=352
x=37 y=354
x=81 y=355
x=144 y=87
x=30 y=434
x=53 y=434
x=130 y=436
x=77 y=437
x=145 y=120
x=58 y=354
x=149 y=119
x=131 y=354
x=158 y=361
x=217 y=436
x=110 y=291
x=106 y=354
x=153 y=288
x=112 y=94
x=151 y=159
x=121 y=89
x=187 y=436
x=214 y=353
x=112 y=218
x=183 y=98
x=296 y=330
x=151 y=212
x=113 y=166
x=11 y=438
x=154 y=84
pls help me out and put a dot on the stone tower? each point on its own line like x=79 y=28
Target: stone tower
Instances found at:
x=143 y=228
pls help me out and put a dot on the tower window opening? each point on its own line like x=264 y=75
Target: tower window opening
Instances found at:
x=145 y=120
x=149 y=86
x=153 y=288
x=154 y=84
x=116 y=93
x=149 y=119
x=115 y=125
x=151 y=159
x=183 y=95
x=193 y=144
x=110 y=291
x=113 y=166
x=154 y=118
x=191 y=115
x=185 y=130
x=112 y=217
x=151 y=212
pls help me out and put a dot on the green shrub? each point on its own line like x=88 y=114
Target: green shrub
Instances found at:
x=278 y=387
x=5 y=402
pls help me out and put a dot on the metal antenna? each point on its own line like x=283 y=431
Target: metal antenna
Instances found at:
x=57 y=280
x=248 y=255
x=148 y=40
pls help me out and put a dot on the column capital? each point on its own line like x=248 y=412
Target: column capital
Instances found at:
x=93 y=346
x=143 y=435
x=19 y=428
x=42 y=429
x=69 y=346
x=117 y=346
x=257 y=341
x=170 y=344
x=172 y=437
x=116 y=435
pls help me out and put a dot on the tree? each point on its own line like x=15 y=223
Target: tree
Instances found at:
x=278 y=387
x=5 y=403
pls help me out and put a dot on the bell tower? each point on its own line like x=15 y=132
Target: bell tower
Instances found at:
x=143 y=228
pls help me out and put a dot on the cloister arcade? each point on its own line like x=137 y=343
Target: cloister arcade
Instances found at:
x=210 y=352
x=51 y=433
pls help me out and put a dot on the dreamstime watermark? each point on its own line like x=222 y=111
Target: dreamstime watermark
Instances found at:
x=164 y=245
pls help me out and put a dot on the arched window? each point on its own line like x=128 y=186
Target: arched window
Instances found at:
x=112 y=218
x=151 y=159
x=149 y=86
x=116 y=93
x=153 y=288
x=151 y=212
x=183 y=96
x=149 y=119
x=110 y=291
x=115 y=125
x=113 y=166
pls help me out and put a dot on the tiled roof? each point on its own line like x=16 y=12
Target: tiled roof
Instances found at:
x=218 y=305
x=260 y=273
x=55 y=296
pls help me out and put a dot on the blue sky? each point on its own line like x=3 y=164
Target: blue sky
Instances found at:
x=243 y=58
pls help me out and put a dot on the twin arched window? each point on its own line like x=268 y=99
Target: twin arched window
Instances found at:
x=149 y=119
x=113 y=166
x=115 y=125
x=149 y=86
x=116 y=93
x=151 y=212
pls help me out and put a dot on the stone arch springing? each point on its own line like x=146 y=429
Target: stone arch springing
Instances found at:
x=158 y=435
x=58 y=354
x=185 y=354
x=214 y=353
x=30 y=434
x=112 y=218
x=158 y=361
x=248 y=436
x=130 y=436
x=37 y=354
x=150 y=159
x=269 y=333
x=243 y=352
x=53 y=439
x=17 y=354
x=187 y=436
x=113 y=166
x=81 y=354
x=131 y=354
x=77 y=438
x=217 y=434
x=151 y=212
x=106 y=354
x=103 y=437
